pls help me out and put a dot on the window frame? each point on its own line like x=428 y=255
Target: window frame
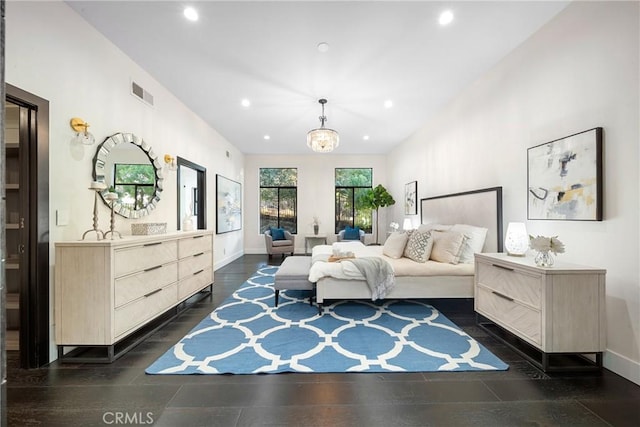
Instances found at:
x=135 y=185
x=278 y=188
x=337 y=226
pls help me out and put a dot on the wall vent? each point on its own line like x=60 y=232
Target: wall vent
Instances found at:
x=141 y=93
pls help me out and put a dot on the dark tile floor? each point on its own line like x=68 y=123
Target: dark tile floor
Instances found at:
x=122 y=394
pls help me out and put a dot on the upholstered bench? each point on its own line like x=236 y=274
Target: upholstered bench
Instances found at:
x=293 y=274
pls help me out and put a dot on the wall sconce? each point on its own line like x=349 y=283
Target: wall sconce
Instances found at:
x=516 y=241
x=170 y=162
x=83 y=136
x=407 y=224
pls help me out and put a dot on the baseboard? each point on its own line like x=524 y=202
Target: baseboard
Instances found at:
x=227 y=260
x=623 y=366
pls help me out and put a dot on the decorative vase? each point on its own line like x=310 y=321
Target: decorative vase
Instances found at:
x=316 y=228
x=543 y=259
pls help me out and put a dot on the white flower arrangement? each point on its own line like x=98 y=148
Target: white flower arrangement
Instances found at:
x=546 y=244
x=394 y=226
x=316 y=221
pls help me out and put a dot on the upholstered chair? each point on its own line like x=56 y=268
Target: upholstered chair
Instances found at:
x=279 y=246
x=341 y=238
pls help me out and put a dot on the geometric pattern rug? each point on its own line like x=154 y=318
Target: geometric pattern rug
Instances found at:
x=247 y=334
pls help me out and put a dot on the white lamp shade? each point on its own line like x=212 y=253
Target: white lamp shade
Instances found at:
x=516 y=241
x=407 y=224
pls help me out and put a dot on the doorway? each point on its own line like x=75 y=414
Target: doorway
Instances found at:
x=192 y=195
x=26 y=228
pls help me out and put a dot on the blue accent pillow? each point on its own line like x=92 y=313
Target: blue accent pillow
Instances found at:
x=351 y=233
x=277 y=233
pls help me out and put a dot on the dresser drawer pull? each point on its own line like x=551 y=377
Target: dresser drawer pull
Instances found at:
x=502 y=296
x=198 y=272
x=152 y=244
x=152 y=268
x=198 y=237
x=502 y=267
x=201 y=253
x=152 y=292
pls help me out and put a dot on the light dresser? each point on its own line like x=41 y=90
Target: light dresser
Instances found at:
x=107 y=290
x=559 y=310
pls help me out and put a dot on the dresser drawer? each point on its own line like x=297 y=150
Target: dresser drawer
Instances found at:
x=518 y=318
x=194 y=245
x=138 y=258
x=136 y=285
x=137 y=312
x=188 y=266
x=195 y=282
x=518 y=285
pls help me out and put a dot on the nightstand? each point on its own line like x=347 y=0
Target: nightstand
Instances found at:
x=558 y=311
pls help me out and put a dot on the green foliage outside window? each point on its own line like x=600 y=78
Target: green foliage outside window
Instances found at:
x=352 y=186
x=279 y=199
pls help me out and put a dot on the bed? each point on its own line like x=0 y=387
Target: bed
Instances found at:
x=478 y=208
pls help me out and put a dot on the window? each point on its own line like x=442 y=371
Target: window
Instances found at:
x=135 y=184
x=279 y=199
x=351 y=185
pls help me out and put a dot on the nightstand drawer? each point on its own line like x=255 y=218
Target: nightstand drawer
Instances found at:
x=520 y=319
x=518 y=285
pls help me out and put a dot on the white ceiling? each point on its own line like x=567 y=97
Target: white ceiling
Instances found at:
x=267 y=52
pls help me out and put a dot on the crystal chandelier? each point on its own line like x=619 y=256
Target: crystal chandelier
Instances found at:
x=322 y=140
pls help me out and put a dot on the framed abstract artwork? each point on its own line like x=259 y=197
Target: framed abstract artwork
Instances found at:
x=564 y=178
x=228 y=205
x=411 y=198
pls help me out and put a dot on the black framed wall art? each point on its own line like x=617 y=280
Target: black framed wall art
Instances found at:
x=411 y=198
x=564 y=178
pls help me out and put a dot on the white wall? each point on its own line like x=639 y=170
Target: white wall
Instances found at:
x=316 y=195
x=54 y=54
x=579 y=71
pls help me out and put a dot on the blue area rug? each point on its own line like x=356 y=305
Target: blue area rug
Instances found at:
x=248 y=335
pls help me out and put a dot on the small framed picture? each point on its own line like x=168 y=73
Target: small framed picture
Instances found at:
x=411 y=198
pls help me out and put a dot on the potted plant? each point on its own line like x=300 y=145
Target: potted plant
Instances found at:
x=377 y=198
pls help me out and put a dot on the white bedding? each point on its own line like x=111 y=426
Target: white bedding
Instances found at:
x=402 y=267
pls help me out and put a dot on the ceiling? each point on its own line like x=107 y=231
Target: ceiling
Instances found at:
x=267 y=52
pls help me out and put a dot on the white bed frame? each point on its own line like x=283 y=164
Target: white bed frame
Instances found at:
x=482 y=208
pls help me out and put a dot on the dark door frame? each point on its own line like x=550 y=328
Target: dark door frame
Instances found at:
x=34 y=296
x=201 y=195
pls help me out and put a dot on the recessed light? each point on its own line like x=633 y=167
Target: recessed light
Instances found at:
x=267 y=137
x=323 y=47
x=366 y=137
x=190 y=13
x=245 y=103
x=446 y=18
x=388 y=103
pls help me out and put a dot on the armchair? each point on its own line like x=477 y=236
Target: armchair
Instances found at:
x=341 y=238
x=279 y=246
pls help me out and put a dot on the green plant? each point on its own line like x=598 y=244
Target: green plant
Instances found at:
x=377 y=198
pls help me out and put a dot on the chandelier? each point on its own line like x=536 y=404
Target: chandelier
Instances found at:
x=322 y=140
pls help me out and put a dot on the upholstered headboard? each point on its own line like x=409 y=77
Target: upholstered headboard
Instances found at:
x=482 y=208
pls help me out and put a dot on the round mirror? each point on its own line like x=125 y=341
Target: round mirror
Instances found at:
x=130 y=168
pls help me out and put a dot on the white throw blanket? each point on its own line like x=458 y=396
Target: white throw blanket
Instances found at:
x=378 y=274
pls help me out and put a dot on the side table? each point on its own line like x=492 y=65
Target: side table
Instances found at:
x=311 y=240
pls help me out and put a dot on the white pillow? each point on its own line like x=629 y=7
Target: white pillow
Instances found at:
x=447 y=246
x=395 y=244
x=474 y=243
x=419 y=246
x=433 y=226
